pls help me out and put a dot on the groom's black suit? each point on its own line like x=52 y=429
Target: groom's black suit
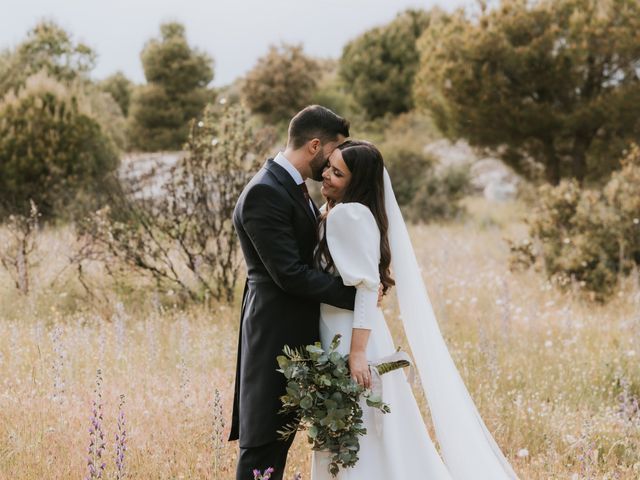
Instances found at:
x=280 y=306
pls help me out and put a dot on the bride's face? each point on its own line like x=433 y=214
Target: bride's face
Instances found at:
x=335 y=178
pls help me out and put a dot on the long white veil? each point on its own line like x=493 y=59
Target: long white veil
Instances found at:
x=468 y=449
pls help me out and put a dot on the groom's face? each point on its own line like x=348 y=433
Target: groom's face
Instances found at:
x=321 y=159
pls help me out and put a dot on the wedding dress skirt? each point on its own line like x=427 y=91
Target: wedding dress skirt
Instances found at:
x=397 y=445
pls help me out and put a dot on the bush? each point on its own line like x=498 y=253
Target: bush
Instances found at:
x=439 y=196
x=185 y=239
x=591 y=237
x=120 y=88
x=424 y=192
x=282 y=83
x=104 y=109
x=52 y=151
x=408 y=168
x=333 y=93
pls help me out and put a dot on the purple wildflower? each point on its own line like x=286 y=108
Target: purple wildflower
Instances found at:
x=96 y=436
x=262 y=476
x=121 y=441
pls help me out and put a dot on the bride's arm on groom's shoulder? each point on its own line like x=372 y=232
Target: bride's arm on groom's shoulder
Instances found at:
x=266 y=220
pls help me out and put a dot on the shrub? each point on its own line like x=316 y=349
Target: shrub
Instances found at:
x=282 y=82
x=439 y=196
x=185 y=239
x=589 y=236
x=52 y=151
x=120 y=89
x=424 y=192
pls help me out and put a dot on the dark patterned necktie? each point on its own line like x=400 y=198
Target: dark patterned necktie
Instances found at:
x=305 y=192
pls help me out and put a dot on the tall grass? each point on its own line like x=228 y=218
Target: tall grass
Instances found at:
x=556 y=379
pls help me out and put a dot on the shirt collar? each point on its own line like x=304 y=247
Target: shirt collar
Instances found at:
x=286 y=164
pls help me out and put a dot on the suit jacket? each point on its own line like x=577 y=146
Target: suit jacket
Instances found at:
x=281 y=300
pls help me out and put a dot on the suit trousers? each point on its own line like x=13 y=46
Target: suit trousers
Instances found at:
x=272 y=454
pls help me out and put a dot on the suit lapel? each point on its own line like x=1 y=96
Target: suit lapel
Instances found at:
x=317 y=210
x=294 y=190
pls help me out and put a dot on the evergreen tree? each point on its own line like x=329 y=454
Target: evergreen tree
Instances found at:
x=379 y=66
x=49 y=48
x=176 y=91
x=282 y=82
x=552 y=85
x=120 y=88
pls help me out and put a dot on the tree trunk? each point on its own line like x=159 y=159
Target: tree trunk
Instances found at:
x=581 y=144
x=579 y=166
x=552 y=163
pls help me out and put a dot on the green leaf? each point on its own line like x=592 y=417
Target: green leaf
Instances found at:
x=306 y=402
x=283 y=362
x=315 y=349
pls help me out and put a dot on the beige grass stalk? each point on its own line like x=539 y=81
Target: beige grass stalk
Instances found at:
x=550 y=373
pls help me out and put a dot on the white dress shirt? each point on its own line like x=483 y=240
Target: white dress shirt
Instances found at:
x=293 y=171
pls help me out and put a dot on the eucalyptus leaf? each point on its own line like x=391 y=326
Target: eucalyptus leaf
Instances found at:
x=322 y=395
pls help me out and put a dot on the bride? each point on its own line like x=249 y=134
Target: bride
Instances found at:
x=363 y=237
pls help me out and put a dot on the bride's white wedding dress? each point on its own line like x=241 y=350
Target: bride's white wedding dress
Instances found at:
x=397 y=445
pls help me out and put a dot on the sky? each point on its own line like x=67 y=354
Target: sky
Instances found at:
x=234 y=32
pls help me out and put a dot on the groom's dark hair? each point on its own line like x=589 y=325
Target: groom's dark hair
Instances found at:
x=316 y=121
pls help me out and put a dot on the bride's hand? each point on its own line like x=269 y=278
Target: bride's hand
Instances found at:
x=359 y=368
x=380 y=295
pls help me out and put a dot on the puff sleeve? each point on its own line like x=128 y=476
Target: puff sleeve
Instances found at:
x=353 y=239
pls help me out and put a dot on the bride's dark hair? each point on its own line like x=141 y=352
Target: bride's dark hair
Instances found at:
x=366 y=165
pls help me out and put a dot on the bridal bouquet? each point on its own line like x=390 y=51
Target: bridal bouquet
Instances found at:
x=324 y=399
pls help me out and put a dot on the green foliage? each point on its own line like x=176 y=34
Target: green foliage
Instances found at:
x=379 y=66
x=176 y=91
x=439 y=196
x=282 y=83
x=49 y=48
x=408 y=167
x=424 y=192
x=324 y=398
x=552 y=84
x=102 y=107
x=333 y=93
x=591 y=236
x=52 y=151
x=120 y=88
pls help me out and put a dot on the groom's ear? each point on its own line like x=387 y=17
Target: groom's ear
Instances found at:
x=314 y=145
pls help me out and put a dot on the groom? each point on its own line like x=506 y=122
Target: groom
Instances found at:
x=276 y=222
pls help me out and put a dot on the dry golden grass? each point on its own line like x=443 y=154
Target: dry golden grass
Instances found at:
x=553 y=376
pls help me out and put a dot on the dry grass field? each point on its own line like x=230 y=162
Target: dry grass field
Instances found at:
x=556 y=378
